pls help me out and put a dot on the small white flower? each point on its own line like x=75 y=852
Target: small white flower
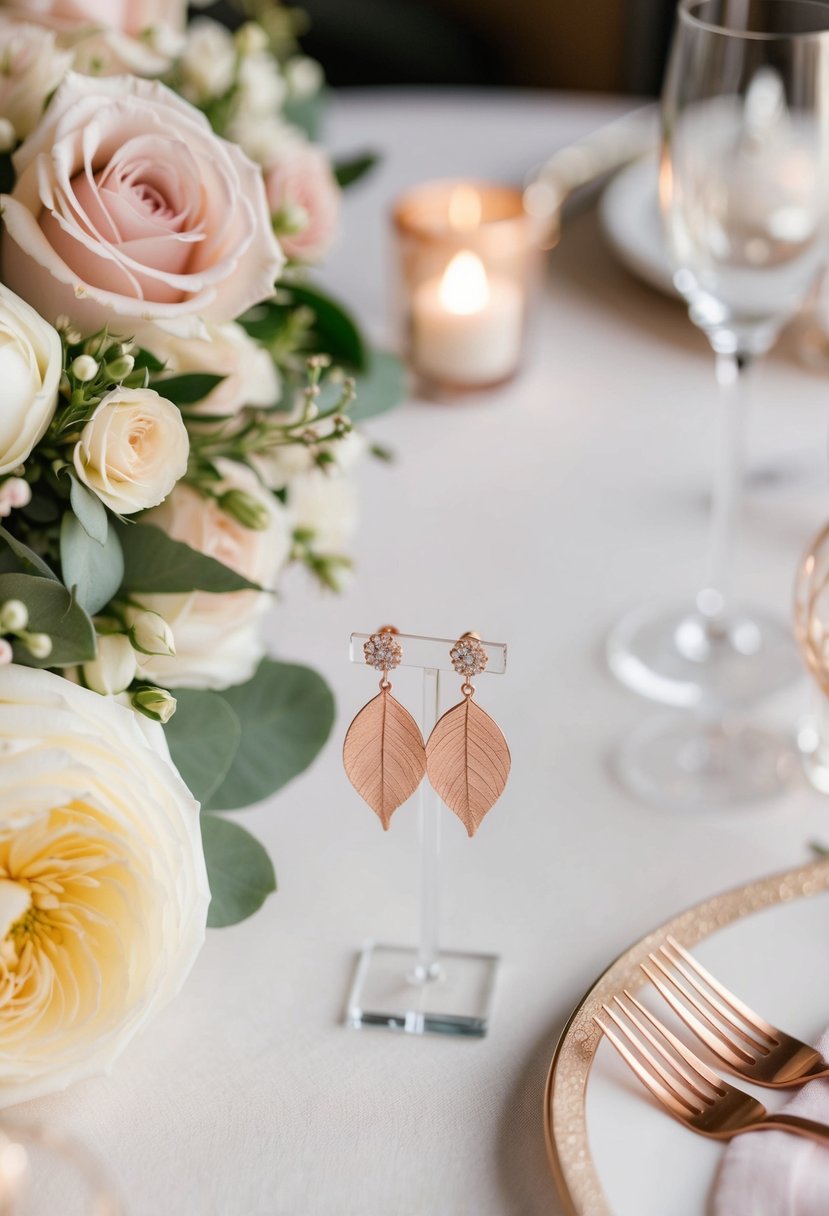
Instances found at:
x=251 y=38
x=262 y=86
x=14 y=616
x=208 y=62
x=303 y=76
x=114 y=668
x=84 y=368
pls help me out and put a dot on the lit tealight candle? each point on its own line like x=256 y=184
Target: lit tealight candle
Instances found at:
x=466 y=325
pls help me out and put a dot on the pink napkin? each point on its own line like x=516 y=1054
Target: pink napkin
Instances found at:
x=776 y=1173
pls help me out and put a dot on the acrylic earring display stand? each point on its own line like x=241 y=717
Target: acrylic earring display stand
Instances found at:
x=423 y=989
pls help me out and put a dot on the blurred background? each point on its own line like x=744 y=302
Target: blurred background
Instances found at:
x=608 y=46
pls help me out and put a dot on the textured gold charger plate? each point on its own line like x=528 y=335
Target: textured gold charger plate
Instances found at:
x=565 y=1116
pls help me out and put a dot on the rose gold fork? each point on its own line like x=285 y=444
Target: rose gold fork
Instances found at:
x=749 y=1046
x=684 y=1086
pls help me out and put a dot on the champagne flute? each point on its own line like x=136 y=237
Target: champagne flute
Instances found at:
x=744 y=195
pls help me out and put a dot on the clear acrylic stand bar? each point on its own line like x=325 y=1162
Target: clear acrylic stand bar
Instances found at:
x=423 y=989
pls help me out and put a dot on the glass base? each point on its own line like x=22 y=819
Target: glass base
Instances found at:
x=677 y=763
x=391 y=990
x=680 y=657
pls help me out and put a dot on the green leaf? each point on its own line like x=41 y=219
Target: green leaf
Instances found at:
x=335 y=332
x=52 y=610
x=267 y=321
x=27 y=560
x=286 y=714
x=381 y=387
x=347 y=172
x=203 y=735
x=239 y=871
x=92 y=571
x=186 y=389
x=89 y=510
x=306 y=114
x=153 y=561
x=145 y=360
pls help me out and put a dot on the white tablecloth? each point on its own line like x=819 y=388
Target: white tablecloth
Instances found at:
x=573 y=493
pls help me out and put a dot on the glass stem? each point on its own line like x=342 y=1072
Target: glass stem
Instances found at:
x=715 y=600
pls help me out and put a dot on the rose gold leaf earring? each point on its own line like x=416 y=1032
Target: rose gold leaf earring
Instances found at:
x=383 y=752
x=467 y=756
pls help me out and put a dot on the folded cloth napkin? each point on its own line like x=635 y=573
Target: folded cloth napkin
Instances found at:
x=776 y=1173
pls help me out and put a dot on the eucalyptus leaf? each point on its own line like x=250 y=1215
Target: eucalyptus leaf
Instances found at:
x=25 y=558
x=239 y=871
x=381 y=387
x=306 y=113
x=203 y=735
x=335 y=332
x=154 y=562
x=89 y=510
x=186 y=389
x=286 y=713
x=94 y=572
x=53 y=611
x=347 y=172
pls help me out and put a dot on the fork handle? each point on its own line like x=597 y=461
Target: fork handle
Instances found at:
x=794 y=1123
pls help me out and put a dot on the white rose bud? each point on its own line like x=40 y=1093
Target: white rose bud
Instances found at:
x=14 y=616
x=133 y=450
x=39 y=645
x=149 y=632
x=84 y=368
x=114 y=668
x=31 y=361
x=155 y=703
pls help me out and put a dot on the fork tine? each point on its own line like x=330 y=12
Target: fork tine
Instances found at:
x=748 y=1015
x=690 y=1077
x=708 y=1030
x=673 y=1102
x=698 y=1068
x=757 y=1039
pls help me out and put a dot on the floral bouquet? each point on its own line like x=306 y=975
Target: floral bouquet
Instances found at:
x=176 y=426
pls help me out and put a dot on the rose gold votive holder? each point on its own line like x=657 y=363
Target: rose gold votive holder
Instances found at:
x=469 y=256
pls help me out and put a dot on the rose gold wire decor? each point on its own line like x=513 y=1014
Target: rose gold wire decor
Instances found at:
x=811 y=609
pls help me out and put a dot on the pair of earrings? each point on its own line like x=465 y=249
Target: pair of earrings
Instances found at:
x=466 y=757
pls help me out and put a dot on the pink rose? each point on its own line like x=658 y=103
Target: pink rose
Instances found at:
x=128 y=209
x=304 y=200
x=130 y=17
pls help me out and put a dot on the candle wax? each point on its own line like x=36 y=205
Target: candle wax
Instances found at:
x=467 y=348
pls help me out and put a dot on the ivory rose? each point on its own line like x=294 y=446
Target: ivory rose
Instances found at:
x=103 y=889
x=250 y=377
x=32 y=68
x=304 y=200
x=217 y=636
x=31 y=360
x=132 y=450
x=128 y=209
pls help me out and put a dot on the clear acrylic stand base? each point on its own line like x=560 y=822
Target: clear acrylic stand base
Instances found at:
x=392 y=989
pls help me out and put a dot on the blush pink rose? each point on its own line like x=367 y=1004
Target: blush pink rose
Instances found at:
x=304 y=199
x=130 y=17
x=129 y=209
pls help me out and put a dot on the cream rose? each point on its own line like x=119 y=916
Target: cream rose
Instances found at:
x=304 y=200
x=128 y=209
x=133 y=450
x=217 y=636
x=249 y=371
x=103 y=889
x=31 y=360
x=32 y=68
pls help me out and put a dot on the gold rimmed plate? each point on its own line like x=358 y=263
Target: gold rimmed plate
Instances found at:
x=613 y=1151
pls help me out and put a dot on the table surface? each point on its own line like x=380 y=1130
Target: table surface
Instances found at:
x=577 y=491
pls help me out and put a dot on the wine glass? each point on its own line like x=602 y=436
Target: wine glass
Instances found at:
x=744 y=195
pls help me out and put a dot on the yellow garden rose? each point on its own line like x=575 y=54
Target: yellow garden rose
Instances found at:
x=103 y=889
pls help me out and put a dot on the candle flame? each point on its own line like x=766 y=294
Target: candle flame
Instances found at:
x=464 y=207
x=464 y=287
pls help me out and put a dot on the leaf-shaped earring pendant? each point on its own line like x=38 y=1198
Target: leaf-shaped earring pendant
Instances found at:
x=383 y=752
x=467 y=756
